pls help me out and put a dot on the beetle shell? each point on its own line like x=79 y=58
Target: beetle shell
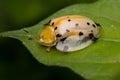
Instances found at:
x=71 y=33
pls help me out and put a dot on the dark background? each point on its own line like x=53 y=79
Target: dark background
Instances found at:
x=16 y=62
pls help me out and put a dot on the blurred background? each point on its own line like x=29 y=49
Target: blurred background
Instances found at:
x=16 y=62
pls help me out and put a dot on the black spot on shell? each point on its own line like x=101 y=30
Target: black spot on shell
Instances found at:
x=92 y=37
x=63 y=39
x=67 y=30
x=69 y=20
x=58 y=35
x=88 y=23
x=94 y=25
x=80 y=33
x=52 y=23
x=76 y=24
x=55 y=28
x=91 y=30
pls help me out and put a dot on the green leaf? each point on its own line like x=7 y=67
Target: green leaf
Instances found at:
x=99 y=61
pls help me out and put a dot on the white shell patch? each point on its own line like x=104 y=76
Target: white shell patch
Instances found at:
x=73 y=43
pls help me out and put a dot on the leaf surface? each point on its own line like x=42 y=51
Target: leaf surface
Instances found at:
x=99 y=61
